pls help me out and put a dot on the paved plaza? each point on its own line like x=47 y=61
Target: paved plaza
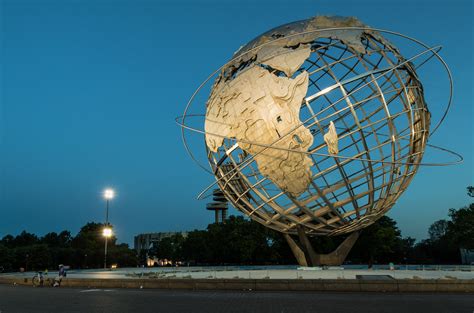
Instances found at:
x=12 y=300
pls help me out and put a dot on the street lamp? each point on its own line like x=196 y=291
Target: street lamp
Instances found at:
x=107 y=232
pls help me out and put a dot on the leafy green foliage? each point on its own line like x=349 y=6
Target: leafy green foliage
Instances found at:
x=85 y=250
x=446 y=237
x=379 y=243
x=460 y=228
x=237 y=241
x=438 y=230
x=243 y=241
x=470 y=191
x=240 y=241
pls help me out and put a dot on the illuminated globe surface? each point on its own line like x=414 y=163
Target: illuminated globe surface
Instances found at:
x=320 y=129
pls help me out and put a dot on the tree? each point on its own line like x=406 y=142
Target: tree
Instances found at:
x=470 y=191
x=448 y=236
x=461 y=227
x=88 y=245
x=438 y=230
x=405 y=250
x=25 y=239
x=65 y=238
x=163 y=249
x=39 y=257
x=195 y=248
x=51 y=239
x=86 y=249
x=59 y=246
x=378 y=243
x=238 y=241
x=7 y=258
x=122 y=255
x=8 y=241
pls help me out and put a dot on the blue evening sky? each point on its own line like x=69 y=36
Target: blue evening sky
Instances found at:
x=90 y=89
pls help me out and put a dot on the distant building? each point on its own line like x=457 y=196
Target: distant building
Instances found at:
x=143 y=242
x=467 y=256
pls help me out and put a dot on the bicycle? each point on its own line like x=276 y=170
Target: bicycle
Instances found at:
x=38 y=279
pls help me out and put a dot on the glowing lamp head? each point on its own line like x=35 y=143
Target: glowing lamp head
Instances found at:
x=107 y=232
x=109 y=194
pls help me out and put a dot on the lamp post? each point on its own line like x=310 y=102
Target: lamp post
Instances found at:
x=107 y=232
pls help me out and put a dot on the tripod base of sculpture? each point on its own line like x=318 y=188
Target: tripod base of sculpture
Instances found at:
x=306 y=256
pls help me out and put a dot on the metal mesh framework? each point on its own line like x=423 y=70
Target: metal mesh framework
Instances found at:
x=376 y=102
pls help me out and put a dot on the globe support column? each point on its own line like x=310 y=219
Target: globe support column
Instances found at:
x=306 y=256
x=311 y=255
x=297 y=251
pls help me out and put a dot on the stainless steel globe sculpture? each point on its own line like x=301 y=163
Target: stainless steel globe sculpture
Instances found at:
x=317 y=126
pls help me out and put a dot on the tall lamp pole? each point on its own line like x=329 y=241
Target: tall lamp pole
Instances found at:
x=107 y=232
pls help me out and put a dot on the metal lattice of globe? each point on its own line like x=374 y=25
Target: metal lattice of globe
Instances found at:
x=317 y=125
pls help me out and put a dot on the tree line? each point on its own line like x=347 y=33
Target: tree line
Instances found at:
x=240 y=241
x=243 y=241
x=85 y=250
